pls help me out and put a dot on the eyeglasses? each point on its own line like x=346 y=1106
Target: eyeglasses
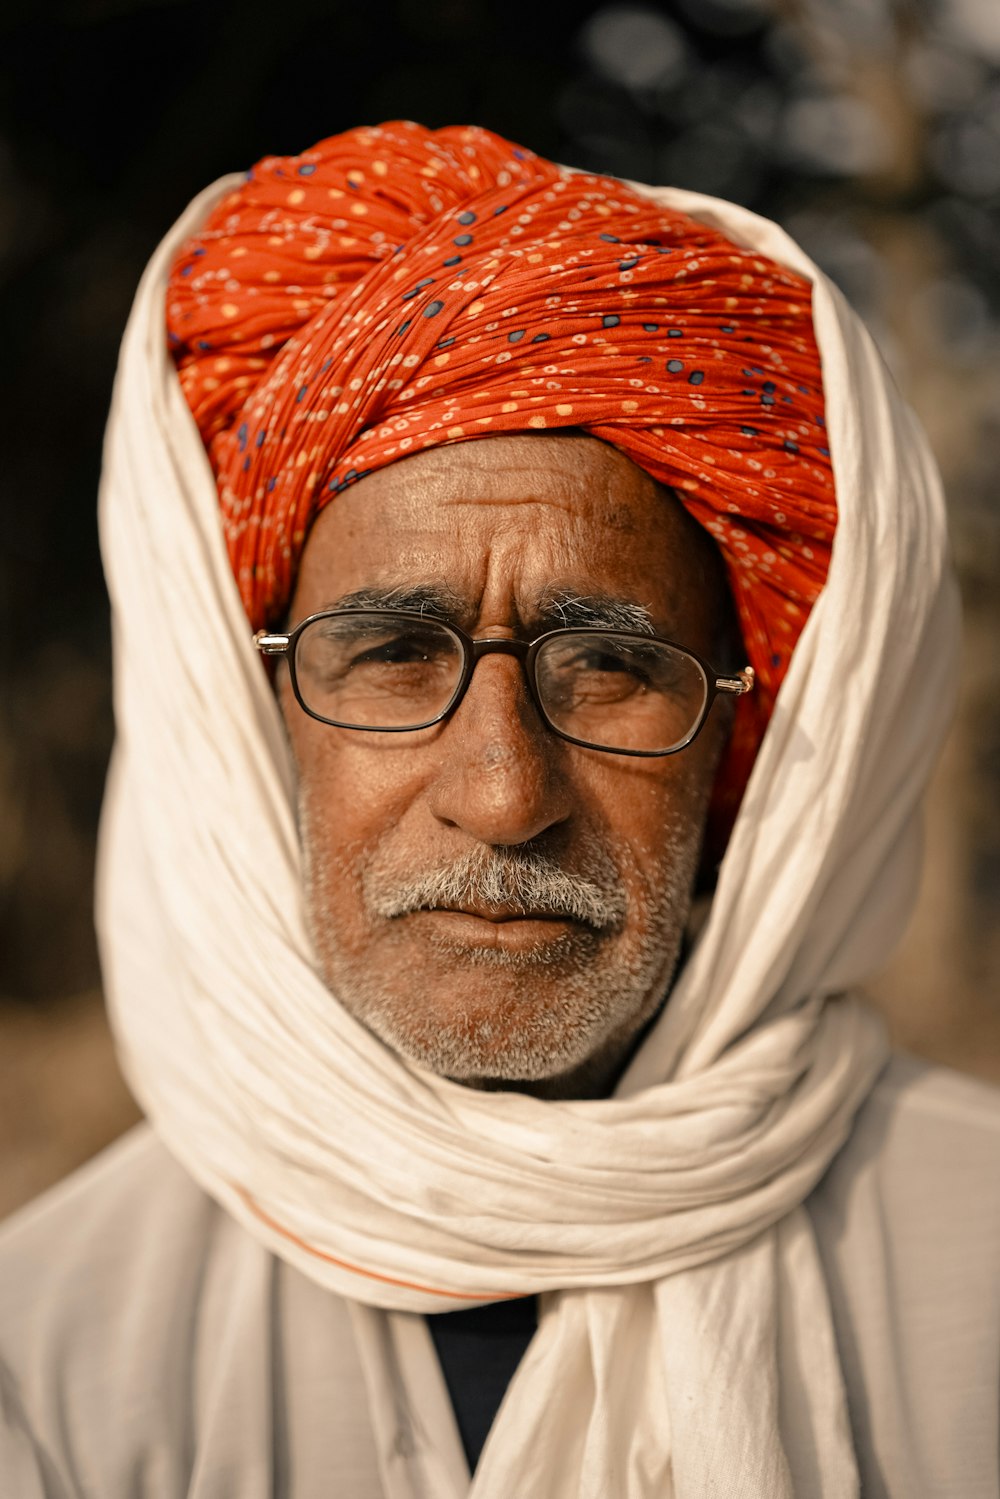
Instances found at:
x=394 y=672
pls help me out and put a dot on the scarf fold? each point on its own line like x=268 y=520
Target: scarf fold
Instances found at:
x=686 y=1346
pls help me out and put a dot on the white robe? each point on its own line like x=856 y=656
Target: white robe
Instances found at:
x=150 y=1348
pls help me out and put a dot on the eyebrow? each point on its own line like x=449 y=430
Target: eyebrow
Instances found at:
x=604 y=611
x=411 y=598
x=555 y=608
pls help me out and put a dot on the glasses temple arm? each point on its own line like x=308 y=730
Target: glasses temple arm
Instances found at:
x=270 y=644
x=742 y=682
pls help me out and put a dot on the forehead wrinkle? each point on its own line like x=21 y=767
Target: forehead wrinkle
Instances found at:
x=590 y=502
x=512 y=502
x=472 y=474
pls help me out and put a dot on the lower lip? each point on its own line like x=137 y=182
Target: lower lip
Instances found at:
x=515 y=934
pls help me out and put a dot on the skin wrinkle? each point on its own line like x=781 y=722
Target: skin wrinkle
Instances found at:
x=489 y=809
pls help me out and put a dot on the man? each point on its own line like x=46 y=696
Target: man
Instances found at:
x=489 y=1157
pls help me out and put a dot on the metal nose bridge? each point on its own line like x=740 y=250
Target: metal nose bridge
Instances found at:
x=497 y=646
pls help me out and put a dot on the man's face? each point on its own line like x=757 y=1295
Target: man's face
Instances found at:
x=495 y=903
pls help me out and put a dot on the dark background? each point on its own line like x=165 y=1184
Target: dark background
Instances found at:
x=870 y=129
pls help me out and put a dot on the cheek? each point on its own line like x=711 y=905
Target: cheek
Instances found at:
x=639 y=803
x=651 y=817
x=354 y=793
x=351 y=789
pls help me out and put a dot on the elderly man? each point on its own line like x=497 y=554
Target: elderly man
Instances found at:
x=486 y=877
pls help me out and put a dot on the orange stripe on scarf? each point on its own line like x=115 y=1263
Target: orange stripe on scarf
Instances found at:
x=389 y=1280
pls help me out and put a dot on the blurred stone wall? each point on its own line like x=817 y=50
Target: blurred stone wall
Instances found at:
x=871 y=129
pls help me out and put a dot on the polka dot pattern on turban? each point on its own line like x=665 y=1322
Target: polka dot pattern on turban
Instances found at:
x=395 y=288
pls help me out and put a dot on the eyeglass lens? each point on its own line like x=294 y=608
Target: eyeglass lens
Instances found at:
x=615 y=691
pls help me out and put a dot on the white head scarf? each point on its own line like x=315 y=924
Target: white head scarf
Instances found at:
x=686 y=1346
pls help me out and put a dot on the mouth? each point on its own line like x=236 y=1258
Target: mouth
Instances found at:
x=486 y=911
x=503 y=928
x=501 y=901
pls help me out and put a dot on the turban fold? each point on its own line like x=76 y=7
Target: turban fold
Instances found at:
x=397 y=288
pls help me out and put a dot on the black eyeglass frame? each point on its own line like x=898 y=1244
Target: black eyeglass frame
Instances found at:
x=281 y=644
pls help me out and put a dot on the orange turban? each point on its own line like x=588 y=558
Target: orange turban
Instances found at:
x=395 y=288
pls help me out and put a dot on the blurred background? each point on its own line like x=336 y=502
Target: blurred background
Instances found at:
x=870 y=129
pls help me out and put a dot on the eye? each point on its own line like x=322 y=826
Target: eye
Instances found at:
x=383 y=670
x=606 y=676
x=597 y=670
x=592 y=671
x=342 y=644
x=399 y=650
x=608 y=662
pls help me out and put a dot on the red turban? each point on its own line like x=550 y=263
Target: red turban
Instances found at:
x=395 y=288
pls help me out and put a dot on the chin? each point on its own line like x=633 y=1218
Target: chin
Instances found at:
x=506 y=1048
x=501 y=1024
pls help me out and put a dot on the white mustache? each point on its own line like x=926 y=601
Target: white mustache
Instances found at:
x=528 y=883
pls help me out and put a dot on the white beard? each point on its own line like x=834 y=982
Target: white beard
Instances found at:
x=602 y=982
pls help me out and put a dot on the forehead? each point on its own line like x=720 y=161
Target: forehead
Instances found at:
x=514 y=516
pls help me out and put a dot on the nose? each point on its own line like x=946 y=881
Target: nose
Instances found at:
x=500 y=779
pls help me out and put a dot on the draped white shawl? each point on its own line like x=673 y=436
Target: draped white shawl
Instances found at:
x=685 y=1344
